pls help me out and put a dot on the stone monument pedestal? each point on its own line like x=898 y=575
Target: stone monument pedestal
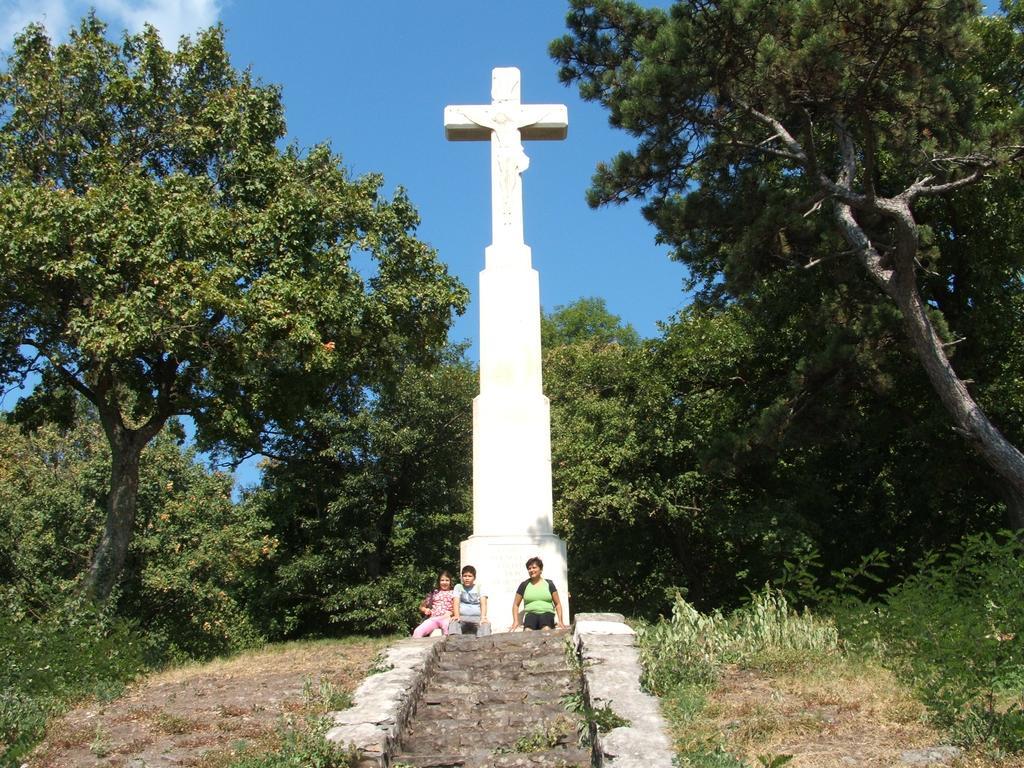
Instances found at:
x=500 y=563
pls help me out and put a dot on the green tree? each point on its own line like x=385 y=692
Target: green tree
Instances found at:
x=586 y=319
x=355 y=553
x=791 y=135
x=747 y=435
x=160 y=255
x=189 y=578
x=613 y=461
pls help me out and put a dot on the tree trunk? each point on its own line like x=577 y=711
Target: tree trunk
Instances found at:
x=900 y=284
x=970 y=420
x=109 y=558
x=122 y=501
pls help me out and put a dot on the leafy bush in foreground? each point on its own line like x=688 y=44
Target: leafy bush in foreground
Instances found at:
x=73 y=651
x=955 y=631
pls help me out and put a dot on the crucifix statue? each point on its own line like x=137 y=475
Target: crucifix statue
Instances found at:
x=506 y=122
x=512 y=503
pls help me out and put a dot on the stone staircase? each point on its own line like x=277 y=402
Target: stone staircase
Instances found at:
x=496 y=701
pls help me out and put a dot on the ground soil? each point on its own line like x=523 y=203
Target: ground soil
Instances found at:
x=203 y=715
x=200 y=715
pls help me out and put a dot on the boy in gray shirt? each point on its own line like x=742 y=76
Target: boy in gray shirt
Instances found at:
x=469 y=609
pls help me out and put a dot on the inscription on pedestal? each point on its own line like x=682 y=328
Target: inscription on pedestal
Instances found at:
x=506 y=567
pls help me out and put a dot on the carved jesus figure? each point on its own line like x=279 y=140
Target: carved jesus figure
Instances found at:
x=508 y=157
x=506 y=122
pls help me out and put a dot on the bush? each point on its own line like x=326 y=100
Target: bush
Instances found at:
x=47 y=662
x=955 y=630
x=383 y=605
x=191 y=577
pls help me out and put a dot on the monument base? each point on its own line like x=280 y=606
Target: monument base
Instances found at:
x=500 y=563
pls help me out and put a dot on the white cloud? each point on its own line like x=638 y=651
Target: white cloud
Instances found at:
x=173 y=18
x=15 y=15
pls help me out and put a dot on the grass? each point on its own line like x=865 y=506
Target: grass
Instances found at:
x=842 y=708
x=765 y=685
x=325 y=696
x=297 y=745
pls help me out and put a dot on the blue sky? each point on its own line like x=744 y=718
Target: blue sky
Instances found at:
x=372 y=79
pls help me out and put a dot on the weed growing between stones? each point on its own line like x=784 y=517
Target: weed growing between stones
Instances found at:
x=596 y=720
x=380 y=664
x=553 y=735
x=572 y=657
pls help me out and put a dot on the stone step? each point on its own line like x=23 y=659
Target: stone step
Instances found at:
x=476 y=664
x=484 y=660
x=557 y=758
x=490 y=725
x=509 y=677
x=496 y=701
x=471 y=701
x=523 y=733
x=508 y=641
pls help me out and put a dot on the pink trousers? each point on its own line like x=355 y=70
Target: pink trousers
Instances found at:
x=428 y=626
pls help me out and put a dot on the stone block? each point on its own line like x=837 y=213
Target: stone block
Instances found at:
x=615 y=618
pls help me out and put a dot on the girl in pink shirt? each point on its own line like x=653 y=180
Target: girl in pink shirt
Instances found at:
x=437 y=606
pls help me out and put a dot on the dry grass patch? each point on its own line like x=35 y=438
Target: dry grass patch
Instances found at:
x=207 y=714
x=838 y=714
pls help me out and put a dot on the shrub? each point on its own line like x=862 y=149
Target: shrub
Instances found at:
x=955 y=630
x=49 y=661
x=191 y=576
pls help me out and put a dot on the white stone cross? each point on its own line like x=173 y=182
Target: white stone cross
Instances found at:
x=506 y=122
x=512 y=509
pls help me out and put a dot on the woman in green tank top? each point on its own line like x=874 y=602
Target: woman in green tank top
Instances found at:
x=539 y=598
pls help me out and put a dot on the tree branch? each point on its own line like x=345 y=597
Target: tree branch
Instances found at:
x=75 y=383
x=921 y=187
x=785 y=155
x=780 y=132
x=863 y=246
